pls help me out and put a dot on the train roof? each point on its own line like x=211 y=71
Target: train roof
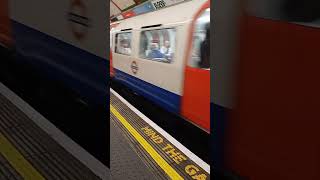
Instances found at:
x=170 y=15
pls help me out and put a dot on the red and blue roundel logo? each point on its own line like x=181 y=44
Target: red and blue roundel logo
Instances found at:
x=78 y=19
x=134 y=67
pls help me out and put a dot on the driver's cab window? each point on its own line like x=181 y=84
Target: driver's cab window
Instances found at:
x=200 y=52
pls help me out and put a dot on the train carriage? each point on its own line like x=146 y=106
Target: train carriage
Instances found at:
x=62 y=41
x=158 y=55
x=270 y=130
x=5 y=28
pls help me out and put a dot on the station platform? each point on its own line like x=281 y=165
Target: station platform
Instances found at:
x=140 y=149
x=32 y=148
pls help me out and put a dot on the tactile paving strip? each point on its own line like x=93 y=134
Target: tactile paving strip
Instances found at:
x=125 y=162
x=7 y=171
x=50 y=159
x=171 y=154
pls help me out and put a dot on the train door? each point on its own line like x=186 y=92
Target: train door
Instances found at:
x=112 y=26
x=5 y=29
x=274 y=133
x=110 y=64
x=196 y=92
x=122 y=52
x=156 y=67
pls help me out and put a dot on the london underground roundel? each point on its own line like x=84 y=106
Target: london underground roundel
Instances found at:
x=78 y=19
x=134 y=67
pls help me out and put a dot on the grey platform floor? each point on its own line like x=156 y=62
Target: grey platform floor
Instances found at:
x=38 y=148
x=125 y=162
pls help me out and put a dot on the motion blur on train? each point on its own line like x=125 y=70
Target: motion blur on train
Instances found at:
x=164 y=56
x=266 y=89
x=62 y=41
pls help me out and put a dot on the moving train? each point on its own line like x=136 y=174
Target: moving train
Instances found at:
x=164 y=56
x=266 y=89
x=62 y=41
x=5 y=28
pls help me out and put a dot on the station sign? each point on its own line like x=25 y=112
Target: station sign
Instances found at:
x=159 y=4
x=144 y=8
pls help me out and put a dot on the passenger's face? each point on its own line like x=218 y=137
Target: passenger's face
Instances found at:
x=153 y=47
x=167 y=44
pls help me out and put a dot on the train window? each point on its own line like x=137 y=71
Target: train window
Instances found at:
x=296 y=11
x=158 y=45
x=123 y=43
x=200 y=53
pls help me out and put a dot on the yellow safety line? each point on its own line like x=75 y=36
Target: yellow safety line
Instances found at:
x=152 y=152
x=17 y=161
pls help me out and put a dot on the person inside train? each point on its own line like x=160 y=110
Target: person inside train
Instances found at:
x=166 y=50
x=155 y=52
x=205 y=50
x=144 y=45
x=125 y=47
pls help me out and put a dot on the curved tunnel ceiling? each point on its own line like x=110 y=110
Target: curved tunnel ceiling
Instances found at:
x=122 y=9
x=119 y=6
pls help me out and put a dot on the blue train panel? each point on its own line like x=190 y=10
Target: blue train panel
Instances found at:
x=167 y=100
x=218 y=124
x=83 y=72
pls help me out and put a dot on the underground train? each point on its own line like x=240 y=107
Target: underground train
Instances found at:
x=5 y=28
x=62 y=41
x=164 y=56
x=265 y=57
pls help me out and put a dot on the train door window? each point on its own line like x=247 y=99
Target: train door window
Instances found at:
x=158 y=45
x=123 y=43
x=305 y=12
x=200 y=52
